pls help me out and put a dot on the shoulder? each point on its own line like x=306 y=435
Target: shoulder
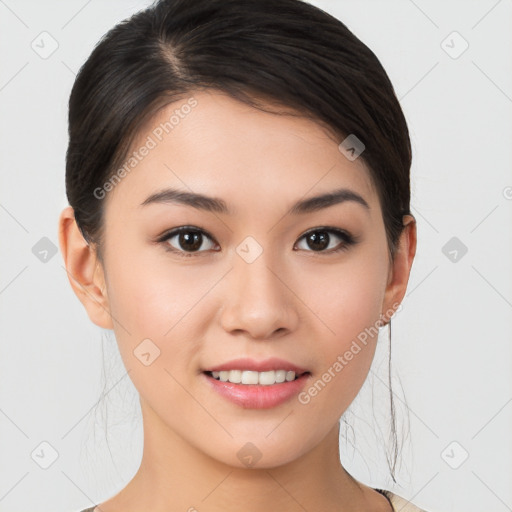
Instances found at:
x=399 y=503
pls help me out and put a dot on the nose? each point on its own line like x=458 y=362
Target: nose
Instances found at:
x=258 y=300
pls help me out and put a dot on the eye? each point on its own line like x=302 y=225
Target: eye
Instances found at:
x=188 y=239
x=320 y=239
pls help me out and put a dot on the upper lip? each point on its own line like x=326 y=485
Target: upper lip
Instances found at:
x=265 y=365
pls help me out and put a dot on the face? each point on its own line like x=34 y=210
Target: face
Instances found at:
x=248 y=277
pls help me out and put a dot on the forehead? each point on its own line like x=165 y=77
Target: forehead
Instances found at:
x=210 y=143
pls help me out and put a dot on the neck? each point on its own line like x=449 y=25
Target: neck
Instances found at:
x=173 y=475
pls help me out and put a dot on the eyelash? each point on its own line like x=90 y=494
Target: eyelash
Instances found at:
x=347 y=239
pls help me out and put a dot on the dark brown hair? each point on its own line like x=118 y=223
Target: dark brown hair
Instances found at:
x=287 y=52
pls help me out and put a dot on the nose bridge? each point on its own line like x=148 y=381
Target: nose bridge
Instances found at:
x=257 y=301
x=256 y=278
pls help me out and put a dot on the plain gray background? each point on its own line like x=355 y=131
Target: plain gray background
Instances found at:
x=452 y=351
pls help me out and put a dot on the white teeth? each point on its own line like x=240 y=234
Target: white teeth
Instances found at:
x=234 y=376
x=280 y=375
x=267 y=378
x=249 y=377
x=252 y=377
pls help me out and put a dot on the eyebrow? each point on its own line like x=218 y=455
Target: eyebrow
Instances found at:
x=213 y=204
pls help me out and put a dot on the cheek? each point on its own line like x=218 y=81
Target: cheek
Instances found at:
x=153 y=328
x=347 y=302
x=146 y=293
x=345 y=298
x=151 y=298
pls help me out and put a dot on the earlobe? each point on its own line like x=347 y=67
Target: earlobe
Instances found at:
x=400 y=268
x=84 y=270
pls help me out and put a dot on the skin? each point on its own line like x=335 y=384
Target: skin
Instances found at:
x=305 y=305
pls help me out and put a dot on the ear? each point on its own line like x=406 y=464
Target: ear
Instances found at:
x=400 y=268
x=84 y=270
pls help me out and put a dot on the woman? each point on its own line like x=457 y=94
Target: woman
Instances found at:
x=238 y=182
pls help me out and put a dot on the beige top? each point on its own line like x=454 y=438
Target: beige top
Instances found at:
x=398 y=503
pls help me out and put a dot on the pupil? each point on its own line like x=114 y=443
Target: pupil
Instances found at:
x=190 y=241
x=320 y=240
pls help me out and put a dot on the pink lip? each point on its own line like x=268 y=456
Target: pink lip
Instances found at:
x=266 y=365
x=256 y=396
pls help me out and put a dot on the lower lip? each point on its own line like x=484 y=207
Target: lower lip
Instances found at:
x=255 y=396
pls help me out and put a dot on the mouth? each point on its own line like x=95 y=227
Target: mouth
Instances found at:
x=250 y=389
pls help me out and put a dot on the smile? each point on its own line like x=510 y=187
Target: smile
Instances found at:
x=252 y=377
x=257 y=395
